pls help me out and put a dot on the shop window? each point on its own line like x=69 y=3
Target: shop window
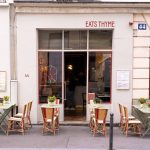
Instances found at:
x=100 y=39
x=99 y=75
x=75 y=40
x=50 y=75
x=50 y=39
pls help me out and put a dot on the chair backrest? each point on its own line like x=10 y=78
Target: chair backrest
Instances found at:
x=6 y=113
x=121 y=110
x=125 y=112
x=24 y=111
x=29 y=106
x=47 y=113
x=57 y=101
x=91 y=96
x=101 y=114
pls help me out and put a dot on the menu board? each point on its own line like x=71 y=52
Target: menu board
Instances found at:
x=2 y=80
x=123 y=79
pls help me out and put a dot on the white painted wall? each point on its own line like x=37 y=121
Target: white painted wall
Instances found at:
x=27 y=53
x=5 y=46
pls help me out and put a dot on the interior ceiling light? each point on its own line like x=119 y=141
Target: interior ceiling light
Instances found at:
x=70 y=67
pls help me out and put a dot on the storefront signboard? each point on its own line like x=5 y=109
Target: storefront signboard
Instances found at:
x=122 y=79
x=2 y=80
x=99 y=24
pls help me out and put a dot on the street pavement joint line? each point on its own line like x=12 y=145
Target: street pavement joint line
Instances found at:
x=67 y=142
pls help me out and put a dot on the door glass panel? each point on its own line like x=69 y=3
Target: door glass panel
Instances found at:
x=50 y=75
x=50 y=39
x=75 y=40
x=100 y=39
x=99 y=75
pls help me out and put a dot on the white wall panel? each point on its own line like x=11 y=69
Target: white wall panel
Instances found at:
x=141 y=41
x=140 y=93
x=141 y=63
x=141 y=73
x=140 y=83
x=141 y=52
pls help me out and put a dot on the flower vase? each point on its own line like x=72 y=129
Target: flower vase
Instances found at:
x=51 y=103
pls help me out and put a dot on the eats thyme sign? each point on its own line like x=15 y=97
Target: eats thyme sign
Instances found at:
x=100 y=24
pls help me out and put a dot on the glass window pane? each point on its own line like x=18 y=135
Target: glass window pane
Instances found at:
x=50 y=75
x=100 y=39
x=99 y=75
x=75 y=39
x=50 y=39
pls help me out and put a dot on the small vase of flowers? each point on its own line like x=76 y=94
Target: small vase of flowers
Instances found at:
x=51 y=99
x=142 y=101
x=6 y=99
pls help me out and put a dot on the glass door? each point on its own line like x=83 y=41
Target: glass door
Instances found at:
x=50 y=75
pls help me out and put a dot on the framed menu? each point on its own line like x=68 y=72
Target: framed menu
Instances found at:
x=123 y=77
x=2 y=80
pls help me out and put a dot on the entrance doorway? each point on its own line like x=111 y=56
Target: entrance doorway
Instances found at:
x=75 y=70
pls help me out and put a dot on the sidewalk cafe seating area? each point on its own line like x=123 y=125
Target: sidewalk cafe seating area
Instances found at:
x=128 y=122
x=21 y=121
x=142 y=112
x=6 y=110
x=98 y=116
x=50 y=114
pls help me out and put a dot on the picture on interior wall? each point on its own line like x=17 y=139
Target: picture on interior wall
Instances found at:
x=123 y=79
x=2 y=80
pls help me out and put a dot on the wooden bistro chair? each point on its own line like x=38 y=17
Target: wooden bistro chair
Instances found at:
x=28 y=111
x=100 y=121
x=16 y=123
x=56 y=114
x=132 y=124
x=49 y=120
x=123 y=117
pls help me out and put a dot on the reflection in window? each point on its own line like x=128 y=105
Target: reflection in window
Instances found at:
x=75 y=39
x=100 y=39
x=99 y=74
x=50 y=39
x=50 y=74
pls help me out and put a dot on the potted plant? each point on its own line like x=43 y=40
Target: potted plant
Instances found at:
x=142 y=100
x=97 y=100
x=6 y=99
x=51 y=99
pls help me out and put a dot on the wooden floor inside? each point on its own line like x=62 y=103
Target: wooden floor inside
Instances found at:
x=75 y=115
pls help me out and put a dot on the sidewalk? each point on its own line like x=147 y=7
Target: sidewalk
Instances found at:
x=72 y=138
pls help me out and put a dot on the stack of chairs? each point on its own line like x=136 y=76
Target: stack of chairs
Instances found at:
x=21 y=121
x=128 y=122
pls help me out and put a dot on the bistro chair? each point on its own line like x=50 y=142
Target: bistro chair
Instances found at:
x=49 y=120
x=100 y=121
x=16 y=123
x=27 y=114
x=122 y=117
x=131 y=124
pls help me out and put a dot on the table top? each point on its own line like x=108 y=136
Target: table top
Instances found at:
x=51 y=105
x=144 y=108
x=6 y=106
x=100 y=106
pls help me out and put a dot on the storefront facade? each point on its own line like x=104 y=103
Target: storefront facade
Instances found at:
x=103 y=39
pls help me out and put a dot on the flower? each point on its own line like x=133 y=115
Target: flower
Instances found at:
x=51 y=98
x=142 y=100
x=6 y=98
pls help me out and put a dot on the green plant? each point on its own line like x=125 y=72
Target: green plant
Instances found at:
x=51 y=98
x=6 y=98
x=97 y=100
x=142 y=100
